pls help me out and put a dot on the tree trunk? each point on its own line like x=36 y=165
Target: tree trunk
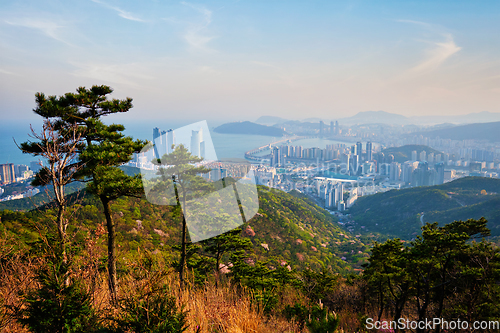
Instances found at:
x=183 y=252
x=217 y=268
x=61 y=229
x=112 y=284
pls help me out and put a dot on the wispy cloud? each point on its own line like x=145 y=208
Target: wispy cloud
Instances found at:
x=47 y=27
x=122 y=13
x=437 y=55
x=194 y=35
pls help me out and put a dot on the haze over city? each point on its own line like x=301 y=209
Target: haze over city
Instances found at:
x=239 y=60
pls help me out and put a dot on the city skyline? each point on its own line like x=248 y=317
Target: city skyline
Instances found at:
x=241 y=59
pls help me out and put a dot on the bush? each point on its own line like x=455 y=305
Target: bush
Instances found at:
x=152 y=312
x=57 y=306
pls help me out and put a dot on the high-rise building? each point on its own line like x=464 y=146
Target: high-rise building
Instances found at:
x=157 y=142
x=423 y=156
x=20 y=170
x=337 y=129
x=395 y=171
x=359 y=148
x=7 y=173
x=345 y=163
x=164 y=146
x=414 y=155
x=170 y=140
x=354 y=164
x=369 y=150
x=321 y=128
x=196 y=140
x=430 y=158
x=275 y=157
x=332 y=128
x=298 y=151
x=440 y=173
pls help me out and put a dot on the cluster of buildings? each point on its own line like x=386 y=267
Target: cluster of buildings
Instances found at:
x=220 y=170
x=29 y=193
x=163 y=142
x=352 y=157
x=12 y=173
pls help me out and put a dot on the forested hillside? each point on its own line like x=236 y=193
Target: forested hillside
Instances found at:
x=400 y=213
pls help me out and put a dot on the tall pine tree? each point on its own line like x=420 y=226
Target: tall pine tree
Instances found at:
x=104 y=149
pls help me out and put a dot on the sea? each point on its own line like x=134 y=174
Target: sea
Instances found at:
x=227 y=146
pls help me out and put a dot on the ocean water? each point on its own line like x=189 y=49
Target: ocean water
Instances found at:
x=226 y=145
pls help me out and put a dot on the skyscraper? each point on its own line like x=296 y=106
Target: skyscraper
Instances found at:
x=440 y=172
x=359 y=149
x=275 y=157
x=7 y=173
x=157 y=142
x=369 y=150
x=414 y=155
x=423 y=156
x=196 y=140
x=170 y=140
x=164 y=147
x=332 y=128
x=321 y=128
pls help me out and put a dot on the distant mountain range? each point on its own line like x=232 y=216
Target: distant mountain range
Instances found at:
x=270 y=120
x=374 y=117
x=247 y=127
x=479 y=131
x=383 y=117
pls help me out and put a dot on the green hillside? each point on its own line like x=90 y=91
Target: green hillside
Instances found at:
x=300 y=231
x=403 y=153
x=480 y=131
x=398 y=212
x=286 y=229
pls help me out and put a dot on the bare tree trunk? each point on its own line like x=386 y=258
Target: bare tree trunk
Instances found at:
x=112 y=283
x=61 y=229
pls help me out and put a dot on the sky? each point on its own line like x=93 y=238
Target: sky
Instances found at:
x=239 y=60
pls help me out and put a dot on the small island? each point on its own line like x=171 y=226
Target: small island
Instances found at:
x=249 y=128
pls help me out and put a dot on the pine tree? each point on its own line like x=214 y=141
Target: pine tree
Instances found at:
x=104 y=149
x=187 y=183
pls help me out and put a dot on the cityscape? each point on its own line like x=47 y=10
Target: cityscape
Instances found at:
x=249 y=166
x=331 y=174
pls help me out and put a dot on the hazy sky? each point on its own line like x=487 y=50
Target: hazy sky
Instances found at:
x=242 y=59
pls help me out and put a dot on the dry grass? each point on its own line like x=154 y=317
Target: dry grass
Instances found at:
x=226 y=308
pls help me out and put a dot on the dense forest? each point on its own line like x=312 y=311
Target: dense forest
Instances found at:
x=106 y=259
